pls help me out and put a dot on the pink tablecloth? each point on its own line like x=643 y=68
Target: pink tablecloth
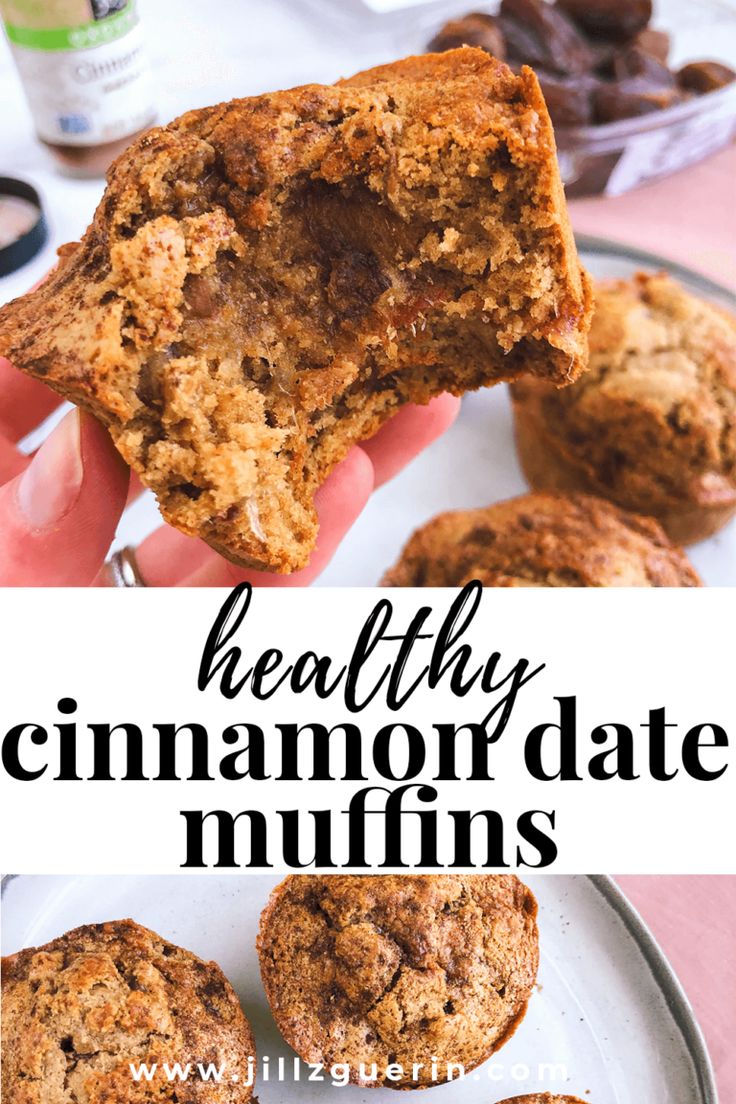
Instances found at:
x=690 y=217
x=694 y=920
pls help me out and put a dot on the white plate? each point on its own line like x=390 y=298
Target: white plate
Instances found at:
x=607 y=1007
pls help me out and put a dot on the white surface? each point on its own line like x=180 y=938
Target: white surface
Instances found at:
x=597 y=1009
x=244 y=47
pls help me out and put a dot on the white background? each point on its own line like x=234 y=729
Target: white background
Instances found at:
x=134 y=656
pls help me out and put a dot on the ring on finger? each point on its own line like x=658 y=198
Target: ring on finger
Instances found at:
x=123 y=570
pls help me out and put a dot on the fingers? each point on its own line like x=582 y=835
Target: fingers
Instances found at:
x=12 y=462
x=409 y=432
x=58 y=517
x=168 y=558
x=135 y=489
x=24 y=402
x=339 y=502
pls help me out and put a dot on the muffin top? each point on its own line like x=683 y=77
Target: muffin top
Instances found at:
x=79 y=1010
x=653 y=420
x=399 y=968
x=542 y=540
x=542 y=1098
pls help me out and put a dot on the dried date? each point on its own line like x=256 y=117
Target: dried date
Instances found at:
x=541 y=34
x=619 y=20
x=474 y=29
x=705 y=76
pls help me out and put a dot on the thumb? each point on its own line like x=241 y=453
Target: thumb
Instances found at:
x=58 y=518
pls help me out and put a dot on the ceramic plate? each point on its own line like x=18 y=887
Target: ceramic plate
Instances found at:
x=608 y=1021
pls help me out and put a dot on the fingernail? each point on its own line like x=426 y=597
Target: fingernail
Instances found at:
x=50 y=485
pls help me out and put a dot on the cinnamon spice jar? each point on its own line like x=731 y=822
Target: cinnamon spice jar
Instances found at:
x=85 y=74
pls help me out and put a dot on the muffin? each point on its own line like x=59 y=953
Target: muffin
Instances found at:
x=399 y=969
x=77 y=1011
x=542 y=1098
x=542 y=540
x=652 y=424
x=266 y=281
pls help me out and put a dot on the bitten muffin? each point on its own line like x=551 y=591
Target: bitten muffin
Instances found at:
x=399 y=969
x=652 y=424
x=77 y=1011
x=266 y=281
x=542 y=540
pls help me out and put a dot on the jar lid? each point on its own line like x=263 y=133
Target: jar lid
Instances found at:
x=23 y=229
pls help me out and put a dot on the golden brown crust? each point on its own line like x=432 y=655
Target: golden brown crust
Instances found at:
x=399 y=968
x=78 y=1010
x=542 y=540
x=652 y=424
x=266 y=281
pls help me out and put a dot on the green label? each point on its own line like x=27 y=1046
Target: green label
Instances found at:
x=96 y=33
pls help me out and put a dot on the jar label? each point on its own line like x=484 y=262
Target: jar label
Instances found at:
x=95 y=32
x=88 y=82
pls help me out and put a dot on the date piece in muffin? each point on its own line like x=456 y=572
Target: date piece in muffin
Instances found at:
x=266 y=281
x=78 y=1011
x=398 y=969
x=652 y=424
x=542 y=540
